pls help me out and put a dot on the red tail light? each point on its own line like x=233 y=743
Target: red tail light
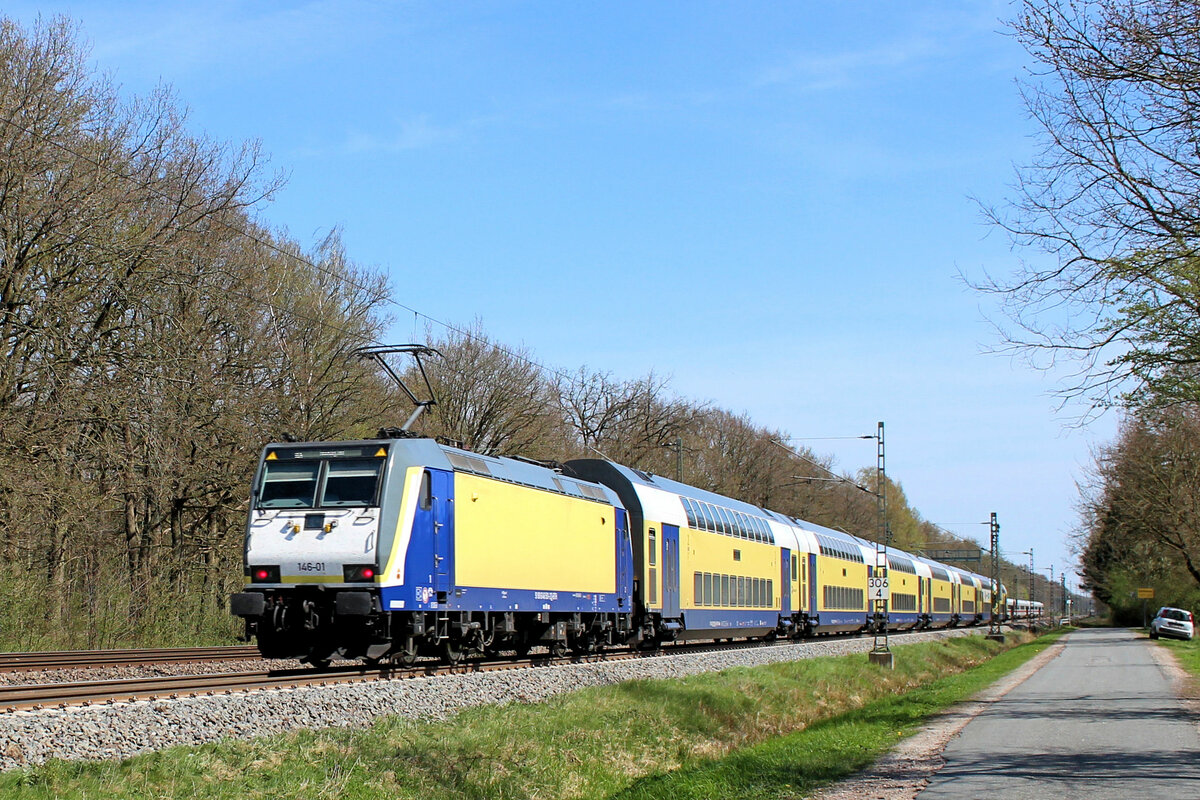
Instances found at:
x=359 y=573
x=267 y=574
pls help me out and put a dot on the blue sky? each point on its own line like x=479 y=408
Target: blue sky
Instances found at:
x=768 y=202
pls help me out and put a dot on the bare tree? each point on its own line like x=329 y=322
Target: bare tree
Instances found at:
x=1112 y=200
x=152 y=337
x=490 y=398
x=631 y=421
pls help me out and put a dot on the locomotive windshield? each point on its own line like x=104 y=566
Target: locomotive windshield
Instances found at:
x=324 y=483
x=289 y=485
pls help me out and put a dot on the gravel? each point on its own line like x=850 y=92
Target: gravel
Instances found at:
x=121 y=730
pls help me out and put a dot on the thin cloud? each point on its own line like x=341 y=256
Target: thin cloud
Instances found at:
x=417 y=133
x=850 y=68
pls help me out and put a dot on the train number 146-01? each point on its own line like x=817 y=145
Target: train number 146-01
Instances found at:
x=310 y=566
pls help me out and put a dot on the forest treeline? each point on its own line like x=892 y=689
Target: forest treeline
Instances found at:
x=1112 y=202
x=156 y=333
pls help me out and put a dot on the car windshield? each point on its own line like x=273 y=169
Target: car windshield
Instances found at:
x=1174 y=613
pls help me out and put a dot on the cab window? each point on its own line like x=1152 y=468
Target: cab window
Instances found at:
x=289 y=485
x=351 y=483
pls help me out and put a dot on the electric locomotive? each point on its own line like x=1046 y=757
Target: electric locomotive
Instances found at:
x=395 y=548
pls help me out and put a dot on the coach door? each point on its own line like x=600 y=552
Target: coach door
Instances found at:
x=785 y=584
x=813 y=608
x=670 y=552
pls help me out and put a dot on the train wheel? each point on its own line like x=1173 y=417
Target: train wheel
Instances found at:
x=408 y=656
x=452 y=651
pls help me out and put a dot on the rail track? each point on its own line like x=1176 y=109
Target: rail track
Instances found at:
x=13 y=662
x=37 y=696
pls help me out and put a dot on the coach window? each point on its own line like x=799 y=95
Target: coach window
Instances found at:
x=795 y=567
x=691 y=513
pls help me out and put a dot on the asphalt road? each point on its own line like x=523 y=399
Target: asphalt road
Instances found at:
x=1099 y=721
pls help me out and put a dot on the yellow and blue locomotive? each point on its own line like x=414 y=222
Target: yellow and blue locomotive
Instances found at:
x=393 y=548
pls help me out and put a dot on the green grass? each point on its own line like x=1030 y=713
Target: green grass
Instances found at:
x=772 y=731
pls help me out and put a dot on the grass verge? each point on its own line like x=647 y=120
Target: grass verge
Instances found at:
x=772 y=731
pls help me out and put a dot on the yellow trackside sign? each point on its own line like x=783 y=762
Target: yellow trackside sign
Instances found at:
x=1146 y=594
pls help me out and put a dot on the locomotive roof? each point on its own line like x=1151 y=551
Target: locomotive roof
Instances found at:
x=430 y=453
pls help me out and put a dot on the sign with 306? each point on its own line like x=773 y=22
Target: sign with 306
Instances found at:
x=877 y=588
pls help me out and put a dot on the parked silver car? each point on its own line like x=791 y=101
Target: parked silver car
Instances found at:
x=1174 y=622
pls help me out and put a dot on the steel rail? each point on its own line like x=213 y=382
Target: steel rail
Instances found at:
x=11 y=662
